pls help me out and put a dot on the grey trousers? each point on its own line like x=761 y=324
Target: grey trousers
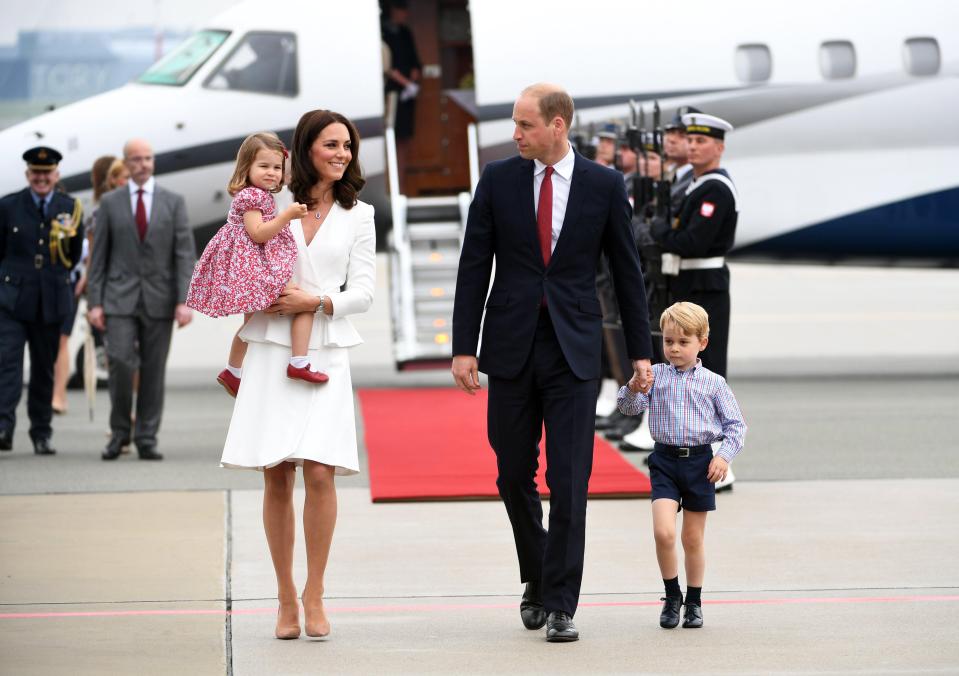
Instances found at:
x=132 y=342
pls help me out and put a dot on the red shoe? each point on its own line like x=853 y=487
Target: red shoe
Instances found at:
x=229 y=381
x=306 y=374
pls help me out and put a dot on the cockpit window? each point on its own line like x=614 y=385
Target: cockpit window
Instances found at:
x=263 y=62
x=177 y=67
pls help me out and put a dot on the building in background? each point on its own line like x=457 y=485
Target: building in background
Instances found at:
x=46 y=69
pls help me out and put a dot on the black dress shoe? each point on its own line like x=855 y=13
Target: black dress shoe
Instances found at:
x=617 y=432
x=669 y=618
x=560 y=628
x=609 y=421
x=149 y=453
x=531 y=607
x=6 y=440
x=627 y=447
x=693 y=616
x=43 y=447
x=114 y=448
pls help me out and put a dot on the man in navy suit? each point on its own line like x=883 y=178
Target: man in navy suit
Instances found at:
x=545 y=217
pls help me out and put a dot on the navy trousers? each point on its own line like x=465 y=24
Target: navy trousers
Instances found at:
x=545 y=392
x=44 y=343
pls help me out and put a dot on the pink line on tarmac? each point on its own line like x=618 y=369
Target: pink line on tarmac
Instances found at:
x=441 y=607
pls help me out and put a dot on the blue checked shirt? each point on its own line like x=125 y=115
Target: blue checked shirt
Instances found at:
x=689 y=408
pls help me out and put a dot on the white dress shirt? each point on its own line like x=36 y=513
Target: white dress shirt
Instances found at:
x=561 y=179
x=148 y=189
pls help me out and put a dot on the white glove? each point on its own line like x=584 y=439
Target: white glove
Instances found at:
x=409 y=91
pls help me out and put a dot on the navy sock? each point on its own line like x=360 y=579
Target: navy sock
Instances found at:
x=672 y=588
x=693 y=595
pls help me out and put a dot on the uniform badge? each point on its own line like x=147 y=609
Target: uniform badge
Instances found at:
x=707 y=209
x=62 y=227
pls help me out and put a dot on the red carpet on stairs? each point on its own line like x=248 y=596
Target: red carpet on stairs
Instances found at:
x=430 y=444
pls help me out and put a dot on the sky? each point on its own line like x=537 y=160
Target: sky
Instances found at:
x=100 y=14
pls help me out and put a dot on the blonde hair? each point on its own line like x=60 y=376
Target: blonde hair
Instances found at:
x=245 y=156
x=689 y=317
x=117 y=167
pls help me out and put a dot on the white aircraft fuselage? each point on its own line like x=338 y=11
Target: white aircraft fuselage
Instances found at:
x=842 y=146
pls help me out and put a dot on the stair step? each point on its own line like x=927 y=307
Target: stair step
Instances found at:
x=423 y=261
x=435 y=201
x=433 y=305
x=434 y=230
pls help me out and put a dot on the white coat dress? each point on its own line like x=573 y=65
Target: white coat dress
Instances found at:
x=276 y=419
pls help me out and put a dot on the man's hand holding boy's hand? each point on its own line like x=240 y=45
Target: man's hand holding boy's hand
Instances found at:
x=634 y=384
x=717 y=469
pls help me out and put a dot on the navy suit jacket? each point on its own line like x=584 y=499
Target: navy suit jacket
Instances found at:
x=34 y=286
x=502 y=226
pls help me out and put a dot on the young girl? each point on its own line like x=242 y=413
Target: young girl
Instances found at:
x=250 y=260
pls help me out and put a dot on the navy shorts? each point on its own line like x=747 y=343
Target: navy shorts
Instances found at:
x=683 y=480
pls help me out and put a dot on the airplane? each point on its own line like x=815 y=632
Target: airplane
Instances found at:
x=842 y=150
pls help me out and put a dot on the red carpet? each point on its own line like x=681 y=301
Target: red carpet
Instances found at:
x=430 y=444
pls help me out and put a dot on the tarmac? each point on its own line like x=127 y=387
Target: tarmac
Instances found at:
x=837 y=552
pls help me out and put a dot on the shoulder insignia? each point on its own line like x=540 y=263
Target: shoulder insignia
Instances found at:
x=707 y=209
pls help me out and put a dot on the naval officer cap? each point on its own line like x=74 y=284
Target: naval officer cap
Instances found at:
x=609 y=131
x=676 y=123
x=42 y=158
x=707 y=125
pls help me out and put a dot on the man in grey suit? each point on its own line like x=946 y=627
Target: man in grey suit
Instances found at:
x=140 y=270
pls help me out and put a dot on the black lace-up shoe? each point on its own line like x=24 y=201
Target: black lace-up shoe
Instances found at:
x=560 y=628
x=531 y=607
x=693 y=616
x=669 y=618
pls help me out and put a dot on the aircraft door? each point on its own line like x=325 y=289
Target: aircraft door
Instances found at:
x=434 y=160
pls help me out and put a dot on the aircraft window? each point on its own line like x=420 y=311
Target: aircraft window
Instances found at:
x=263 y=63
x=921 y=56
x=837 y=59
x=754 y=63
x=177 y=67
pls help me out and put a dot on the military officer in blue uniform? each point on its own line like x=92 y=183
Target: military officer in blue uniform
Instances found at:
x=41 y=235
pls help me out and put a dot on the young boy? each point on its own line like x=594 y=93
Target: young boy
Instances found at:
x=689 y=408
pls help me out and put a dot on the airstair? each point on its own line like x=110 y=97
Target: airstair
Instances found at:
x=424 y=249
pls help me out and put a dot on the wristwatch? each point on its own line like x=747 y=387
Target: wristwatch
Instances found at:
x=321 y=308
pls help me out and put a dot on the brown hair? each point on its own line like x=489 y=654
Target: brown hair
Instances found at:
x=303 y=175
x=691 y=319
x=553 y=102
x=246 y=155
x=98 y=175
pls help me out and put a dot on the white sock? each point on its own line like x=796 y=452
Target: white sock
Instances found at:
x=299 y=362
x=235 y=370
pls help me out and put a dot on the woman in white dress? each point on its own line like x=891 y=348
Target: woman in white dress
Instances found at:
x=280 y=424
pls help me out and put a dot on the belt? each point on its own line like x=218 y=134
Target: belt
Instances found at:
x=702 y=263
x=683 y=451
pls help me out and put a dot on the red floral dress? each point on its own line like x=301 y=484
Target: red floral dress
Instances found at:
x=235 y=274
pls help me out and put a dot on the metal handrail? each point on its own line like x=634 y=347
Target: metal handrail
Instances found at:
x=472 y=138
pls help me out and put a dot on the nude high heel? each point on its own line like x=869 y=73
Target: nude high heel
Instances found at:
x=317 y=626
x=286 y=631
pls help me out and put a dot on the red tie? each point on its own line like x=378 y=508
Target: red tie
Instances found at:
x=141 y=216
x=544 y=215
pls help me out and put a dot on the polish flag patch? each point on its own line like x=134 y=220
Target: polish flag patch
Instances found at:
x=707 y=209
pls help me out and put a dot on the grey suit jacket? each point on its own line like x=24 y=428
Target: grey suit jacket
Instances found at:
x=123 y=269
